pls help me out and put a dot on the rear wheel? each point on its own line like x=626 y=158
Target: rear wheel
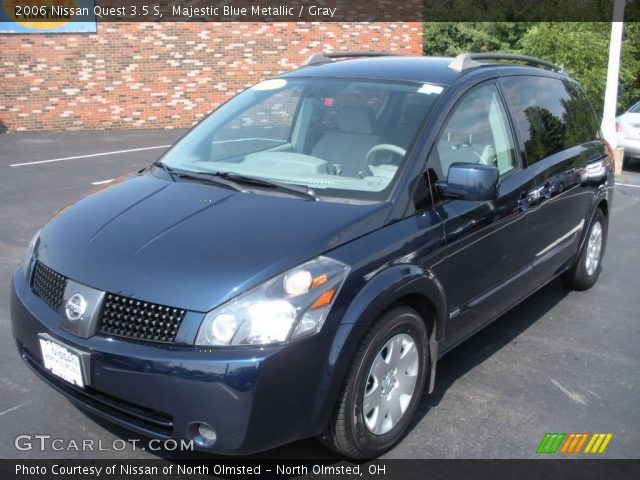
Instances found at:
x=586 y=271
x=383 y=386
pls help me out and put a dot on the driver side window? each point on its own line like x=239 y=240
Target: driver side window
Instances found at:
x=477 y=132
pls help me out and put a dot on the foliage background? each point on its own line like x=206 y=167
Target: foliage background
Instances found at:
x=581 y=47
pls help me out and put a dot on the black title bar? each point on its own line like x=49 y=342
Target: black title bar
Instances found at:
x=316 y=10
x=320 y=469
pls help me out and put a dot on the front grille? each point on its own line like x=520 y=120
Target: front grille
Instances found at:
x=130 y=318
x=121 y=316
x=49 y=285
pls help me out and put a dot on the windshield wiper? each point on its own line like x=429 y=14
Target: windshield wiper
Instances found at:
x=207 y=177
x=235 y=180
x=300 y=191
x=204 y=177
x=166 y=168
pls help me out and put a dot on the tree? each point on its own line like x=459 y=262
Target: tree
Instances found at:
x=452 y=38
x=582 y=48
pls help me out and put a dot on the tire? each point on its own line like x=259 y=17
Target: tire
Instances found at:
x=355 y=433
x=584 y=274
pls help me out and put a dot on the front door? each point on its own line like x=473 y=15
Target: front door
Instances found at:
x=488 y=252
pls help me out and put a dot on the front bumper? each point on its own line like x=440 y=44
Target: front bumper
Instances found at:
x=255 y=398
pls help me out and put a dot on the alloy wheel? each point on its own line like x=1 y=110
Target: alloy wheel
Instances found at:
x=594 y=245
x=390 y=384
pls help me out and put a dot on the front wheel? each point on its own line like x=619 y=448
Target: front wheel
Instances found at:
x=383 y=386
x=584 y=274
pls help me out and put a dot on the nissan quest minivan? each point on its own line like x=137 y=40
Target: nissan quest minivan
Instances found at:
x=296 y=265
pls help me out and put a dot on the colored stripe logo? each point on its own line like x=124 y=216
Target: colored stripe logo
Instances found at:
x=574 y=442
x=550 y=442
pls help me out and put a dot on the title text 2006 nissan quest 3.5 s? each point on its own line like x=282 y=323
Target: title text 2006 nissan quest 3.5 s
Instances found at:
x=298 y=262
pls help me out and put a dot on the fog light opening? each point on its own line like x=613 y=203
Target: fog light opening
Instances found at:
x=202 y=434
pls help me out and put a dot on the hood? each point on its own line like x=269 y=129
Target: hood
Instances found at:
x=192 y=245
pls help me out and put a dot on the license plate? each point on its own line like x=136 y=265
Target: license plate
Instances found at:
x=62 y=362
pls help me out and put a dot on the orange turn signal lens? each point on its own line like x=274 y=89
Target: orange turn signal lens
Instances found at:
x=319 y=280
x=324 y=299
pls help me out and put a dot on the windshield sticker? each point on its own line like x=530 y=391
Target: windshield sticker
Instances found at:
x=270 y=84
x=429 y=89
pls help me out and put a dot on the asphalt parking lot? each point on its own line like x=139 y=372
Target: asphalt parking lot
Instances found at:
x=562 y=361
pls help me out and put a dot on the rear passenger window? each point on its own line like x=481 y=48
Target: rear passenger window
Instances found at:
x=551 y=115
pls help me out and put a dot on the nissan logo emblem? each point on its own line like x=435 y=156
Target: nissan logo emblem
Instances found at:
x=75 y=307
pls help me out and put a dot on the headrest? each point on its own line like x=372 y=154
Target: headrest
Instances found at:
x=355 y=120
x=413 y=114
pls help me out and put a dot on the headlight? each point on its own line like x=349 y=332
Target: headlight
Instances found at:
x=291 y=305
x=28 y=257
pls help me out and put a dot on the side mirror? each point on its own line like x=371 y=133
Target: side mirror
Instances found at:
x=471 y=181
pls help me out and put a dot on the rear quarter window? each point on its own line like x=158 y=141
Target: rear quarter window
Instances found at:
x=585 y=124
x=551 y=115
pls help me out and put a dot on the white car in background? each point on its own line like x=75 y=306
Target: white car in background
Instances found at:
x=628 y=132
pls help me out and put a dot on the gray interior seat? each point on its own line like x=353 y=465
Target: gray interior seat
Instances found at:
x=488 y=156
x=403 y=132
x=348 y=145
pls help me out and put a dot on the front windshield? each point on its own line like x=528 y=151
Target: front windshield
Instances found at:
x=342 y=138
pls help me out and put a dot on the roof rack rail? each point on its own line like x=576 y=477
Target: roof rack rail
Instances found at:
x=325 y=57
x=465 y=61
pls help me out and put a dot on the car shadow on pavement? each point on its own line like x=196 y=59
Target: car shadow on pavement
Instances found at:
x=473 y=352
x=485 y=343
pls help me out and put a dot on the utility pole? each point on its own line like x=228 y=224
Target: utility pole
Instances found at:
x=613 y=72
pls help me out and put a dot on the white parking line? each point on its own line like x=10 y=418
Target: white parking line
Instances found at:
x=115 y=152
x=627 y=185
x=13 y=408
x=102 y=182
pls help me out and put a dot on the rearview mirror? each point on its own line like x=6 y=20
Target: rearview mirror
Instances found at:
x=471 y=181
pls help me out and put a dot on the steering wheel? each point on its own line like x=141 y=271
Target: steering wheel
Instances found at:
x=383 y=147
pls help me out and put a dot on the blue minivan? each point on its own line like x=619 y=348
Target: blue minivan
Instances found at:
x=296 y=265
